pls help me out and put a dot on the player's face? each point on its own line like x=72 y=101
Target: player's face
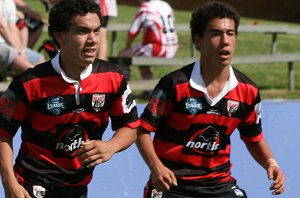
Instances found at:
x=218 y=42
x=80 y=44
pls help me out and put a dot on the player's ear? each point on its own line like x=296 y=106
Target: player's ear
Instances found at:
x=59 y=37
x=197 y=40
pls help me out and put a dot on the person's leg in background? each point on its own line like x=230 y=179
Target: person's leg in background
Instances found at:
x=11 y=60
x=102 y=52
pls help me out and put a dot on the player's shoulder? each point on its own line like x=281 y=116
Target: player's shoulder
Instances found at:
x=243 y=78
x=180 y=75
x=41 y=70
x=100 y=66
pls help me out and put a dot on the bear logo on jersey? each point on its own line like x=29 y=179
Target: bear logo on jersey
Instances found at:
x=205 y=141
x=70 y=140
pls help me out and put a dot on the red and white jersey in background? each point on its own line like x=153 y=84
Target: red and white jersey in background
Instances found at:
x=156 y=18
x=108 y=7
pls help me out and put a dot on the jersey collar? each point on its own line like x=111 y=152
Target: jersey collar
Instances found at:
x=197 y=82
x=56 y=66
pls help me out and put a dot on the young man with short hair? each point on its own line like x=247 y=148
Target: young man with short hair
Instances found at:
x=63 y=107
x=193 y=112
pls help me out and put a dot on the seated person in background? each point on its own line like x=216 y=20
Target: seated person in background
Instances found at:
x=11 y=59
x=9 y=18
x=156 y=19
x=30 y=23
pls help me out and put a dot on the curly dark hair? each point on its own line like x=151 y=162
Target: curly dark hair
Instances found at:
x=64 y=11
x=209 y=11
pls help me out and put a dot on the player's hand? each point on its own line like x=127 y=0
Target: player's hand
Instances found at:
x=94 y=152
x=162 y=178
x=278 y=177
x=15 y=191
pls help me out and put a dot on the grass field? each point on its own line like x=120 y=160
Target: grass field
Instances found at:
x=272 y=79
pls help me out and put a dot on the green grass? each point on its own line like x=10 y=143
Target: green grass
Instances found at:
x=272 y=79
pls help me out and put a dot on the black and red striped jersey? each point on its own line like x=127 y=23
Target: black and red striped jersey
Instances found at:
x=192 y=131
x=56 y=114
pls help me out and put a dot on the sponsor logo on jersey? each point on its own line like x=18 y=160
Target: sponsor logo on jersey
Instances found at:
x=193 y=105
x=78 y=110
x=157 y=103
x=232 y=106
x=8 y=104
x=98 y=101
x=56 y=105
x=213 y=111
x=205 y=141
x=70 y=141
x=128 y=101
x=7 y=107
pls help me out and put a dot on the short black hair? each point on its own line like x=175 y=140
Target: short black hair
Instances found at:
x=209 y=11
x=64 y=11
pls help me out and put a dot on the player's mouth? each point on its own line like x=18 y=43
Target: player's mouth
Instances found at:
x=225 y=54
x=89 y=52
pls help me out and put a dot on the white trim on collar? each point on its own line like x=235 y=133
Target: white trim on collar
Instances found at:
x=56 y=66
x=197 y=82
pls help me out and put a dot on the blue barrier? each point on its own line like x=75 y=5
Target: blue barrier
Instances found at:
x=125 y=175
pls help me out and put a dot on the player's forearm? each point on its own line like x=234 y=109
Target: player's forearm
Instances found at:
x=6 y=161
x=122 y=139
x=261 y=152
x=146 y=148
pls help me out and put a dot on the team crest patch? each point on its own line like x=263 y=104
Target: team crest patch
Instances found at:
x=232 y=106
x=56 y=105
x=193 y=105
x=98 y=101
x=39 y=191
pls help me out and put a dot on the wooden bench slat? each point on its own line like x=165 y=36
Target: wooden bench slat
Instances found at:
x=251 y=59
x=153 y=61
x=182 y=27
x=238 y=60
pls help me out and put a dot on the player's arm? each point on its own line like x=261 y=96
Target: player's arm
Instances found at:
x=95 y=152
x=129 y=41
x=122 y=139
x=11 y=186
x=161 y=177
x=262 y=153
x=134 y=29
